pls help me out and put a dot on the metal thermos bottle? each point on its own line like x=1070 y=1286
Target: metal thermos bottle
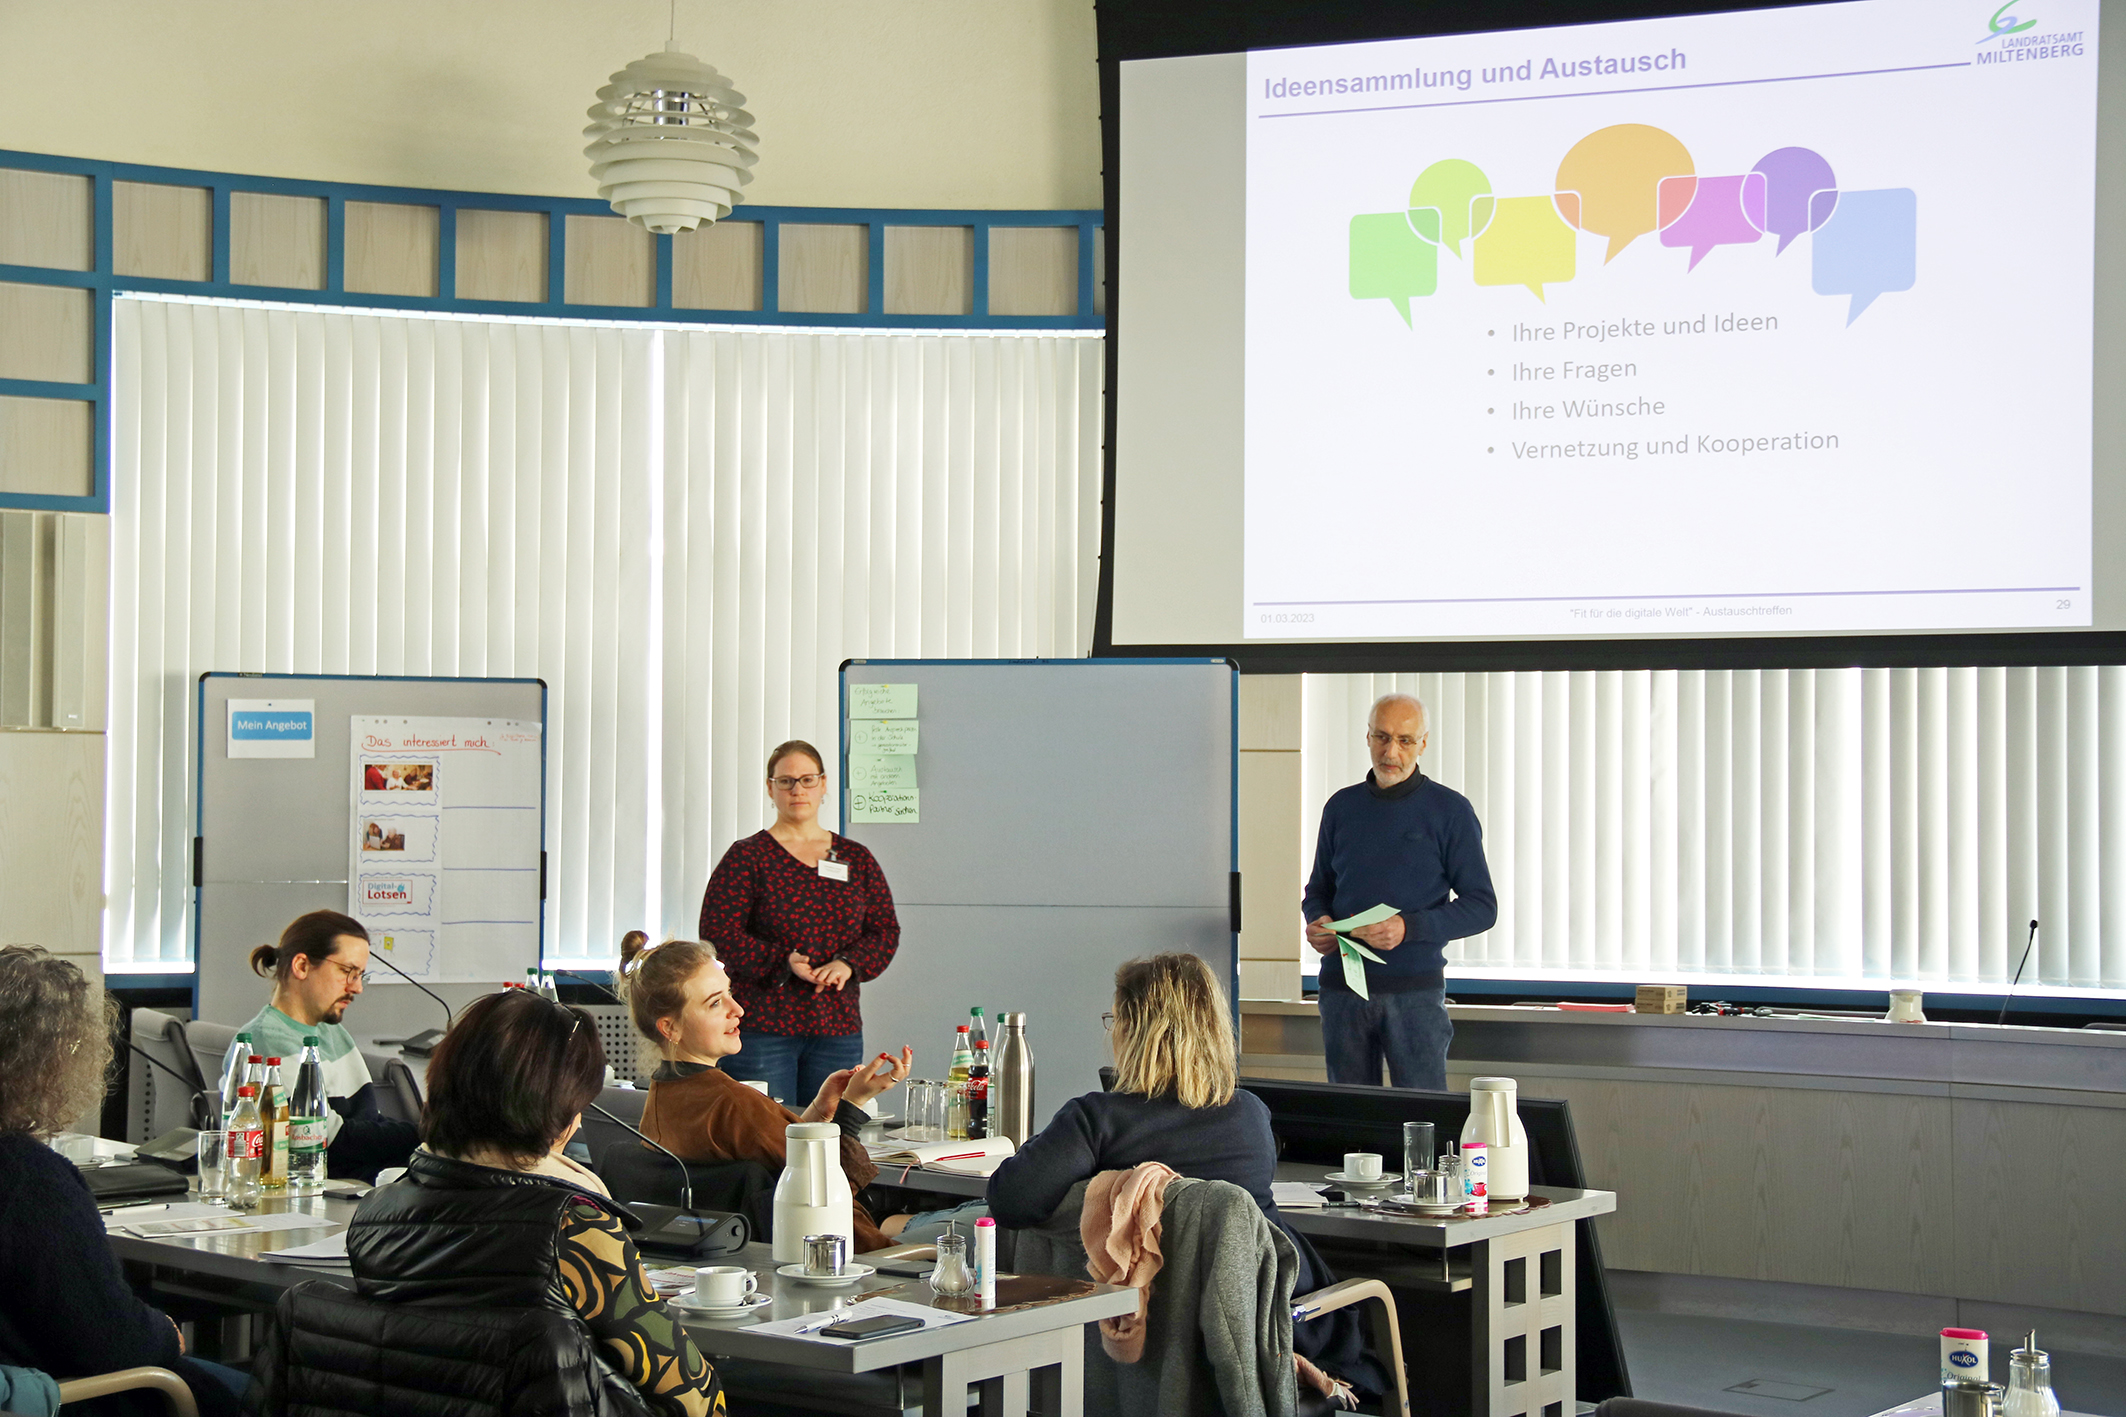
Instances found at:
x=1011 y=1084
x=1967 y=1398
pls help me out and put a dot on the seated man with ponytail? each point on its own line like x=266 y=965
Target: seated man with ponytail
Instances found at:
x=317 y=971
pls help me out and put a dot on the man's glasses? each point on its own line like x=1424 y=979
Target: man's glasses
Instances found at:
x=797 y=784
x=1381 y=740
x=349 y=972
x=1107 y=1023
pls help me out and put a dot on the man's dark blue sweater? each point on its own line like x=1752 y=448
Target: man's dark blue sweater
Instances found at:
x=1416 y=846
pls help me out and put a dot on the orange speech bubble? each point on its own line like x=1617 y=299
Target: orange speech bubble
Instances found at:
x=1616 y=173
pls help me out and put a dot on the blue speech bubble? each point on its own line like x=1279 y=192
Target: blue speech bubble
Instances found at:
x=1869 y=247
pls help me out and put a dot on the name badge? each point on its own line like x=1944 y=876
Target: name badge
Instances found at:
x=834 y=870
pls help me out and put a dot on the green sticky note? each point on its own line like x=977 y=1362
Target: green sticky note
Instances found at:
x=874 y=735
x=882 y=701
x=885 y=804
x=869 y=770
x=1355 y=971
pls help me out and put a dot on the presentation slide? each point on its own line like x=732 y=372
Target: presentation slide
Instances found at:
x=1775 y=320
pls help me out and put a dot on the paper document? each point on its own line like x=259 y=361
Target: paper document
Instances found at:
x=164 y=1226
x=1351 y=951
x=1295 y=1195
x=330 y=1250
x=809 y=1325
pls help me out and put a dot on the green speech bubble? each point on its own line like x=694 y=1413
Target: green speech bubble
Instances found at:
x=1390 y=261
x=1461 y=193
x=1527 y=243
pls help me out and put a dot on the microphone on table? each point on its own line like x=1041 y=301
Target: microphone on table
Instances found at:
x=686 y=1177
x=419 y=1043
x=683 y=1231
x=2018 y=974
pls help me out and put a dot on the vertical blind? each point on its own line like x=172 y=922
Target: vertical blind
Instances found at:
x=683 y=533
x=1842 y=825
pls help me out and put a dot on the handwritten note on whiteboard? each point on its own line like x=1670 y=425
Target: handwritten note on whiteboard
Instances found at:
x=882 y=701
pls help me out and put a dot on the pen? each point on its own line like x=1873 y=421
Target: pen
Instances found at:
x=138 y=1209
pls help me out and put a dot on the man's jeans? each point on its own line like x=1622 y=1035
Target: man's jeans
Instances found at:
x=1410 y=1030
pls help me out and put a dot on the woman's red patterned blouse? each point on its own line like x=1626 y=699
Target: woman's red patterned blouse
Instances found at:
x=763 y=903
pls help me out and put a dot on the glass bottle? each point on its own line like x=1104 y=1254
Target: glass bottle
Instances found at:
x=2030 y=1382
x=978 y=1092
x=977 y=1027
x=306 y=1124
x=244 y=1150
x=273 y=1117
x=232 y=1072
x=962 y=1056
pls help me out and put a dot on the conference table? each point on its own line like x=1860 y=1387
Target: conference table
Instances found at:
x=1516 y=1262
x=1029 y=1349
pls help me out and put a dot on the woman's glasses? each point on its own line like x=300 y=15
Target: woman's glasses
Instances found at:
x=797 y=784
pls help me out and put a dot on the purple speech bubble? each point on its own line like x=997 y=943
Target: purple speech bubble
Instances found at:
x=1801 y=191
x=1724 y=211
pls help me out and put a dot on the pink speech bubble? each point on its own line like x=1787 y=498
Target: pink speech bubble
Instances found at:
x=1723 y=211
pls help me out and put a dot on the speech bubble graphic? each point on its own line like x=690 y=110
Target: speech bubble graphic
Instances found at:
x=1869 y=247
x=1617 y=172
x=1800 y=191
x=1528 y=242
x=1391 y=260
x=1720 y=213
x=1460 y=192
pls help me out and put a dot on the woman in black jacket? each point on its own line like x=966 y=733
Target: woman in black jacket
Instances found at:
x=491 y=1215
x=66 y=1308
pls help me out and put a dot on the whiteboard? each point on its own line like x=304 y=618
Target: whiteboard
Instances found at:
x=276 y=837
x=1074 y=814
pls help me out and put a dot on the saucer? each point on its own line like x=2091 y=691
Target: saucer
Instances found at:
x=1384 y=1179
x=849 y=1275
x=693 y=1305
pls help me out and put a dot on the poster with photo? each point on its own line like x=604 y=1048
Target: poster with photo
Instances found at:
x=444 y=844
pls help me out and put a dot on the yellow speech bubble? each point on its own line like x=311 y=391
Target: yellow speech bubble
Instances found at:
x=1528 y=243
x=1616 y=172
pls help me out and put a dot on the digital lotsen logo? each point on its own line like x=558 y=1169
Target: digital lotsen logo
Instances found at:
x=2003 y=23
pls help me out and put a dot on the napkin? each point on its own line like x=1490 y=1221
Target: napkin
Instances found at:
x=1351 y=951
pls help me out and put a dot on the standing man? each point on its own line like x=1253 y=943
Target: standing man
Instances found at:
x=1398 y=839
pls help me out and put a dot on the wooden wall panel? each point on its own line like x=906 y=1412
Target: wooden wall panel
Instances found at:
x=1033 y=270
x=929 y=270
x=51 y=841
x=611 y=261
x=2044 y=1188
x=823 y=269
x=501 y=255
x=45 y=333
x=717 y=267
x=46 y=446
x=277 y=240
x=391 y=249
x=165 y=233
x=46 y=219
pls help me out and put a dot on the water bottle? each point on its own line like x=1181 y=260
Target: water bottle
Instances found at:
x=232 y=1072
x=977 y=1027
x=244 y=1149
x=1011 y=1084
x=306 y=1124
x=956 y=1086
x=273 y=1117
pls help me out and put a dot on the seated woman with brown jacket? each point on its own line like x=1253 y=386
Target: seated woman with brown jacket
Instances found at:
x=681 y=1001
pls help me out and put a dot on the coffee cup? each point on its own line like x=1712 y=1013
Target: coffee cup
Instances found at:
x=724 y=1284
x=1362 y=1166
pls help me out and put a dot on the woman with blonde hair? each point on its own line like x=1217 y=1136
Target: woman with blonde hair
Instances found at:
x=1176 y=1101
x=681 y=1000
x=66 y=1309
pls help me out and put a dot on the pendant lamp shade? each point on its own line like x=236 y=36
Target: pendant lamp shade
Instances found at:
x=670 y=142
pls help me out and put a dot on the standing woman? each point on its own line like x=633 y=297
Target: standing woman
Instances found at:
x=800 y=918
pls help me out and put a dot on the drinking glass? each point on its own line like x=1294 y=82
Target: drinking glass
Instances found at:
x=1417 y=1150
x=211 y=1186
x=916 y=1111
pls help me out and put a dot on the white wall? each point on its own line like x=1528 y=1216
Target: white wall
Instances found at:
x=862 y=103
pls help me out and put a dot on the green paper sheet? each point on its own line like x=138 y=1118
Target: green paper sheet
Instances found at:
x=867 y=770
x=885 y=804
x=1352 y=952
x=873 y=735
x=882 y=701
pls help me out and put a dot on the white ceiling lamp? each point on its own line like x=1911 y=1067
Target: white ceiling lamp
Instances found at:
x=671 y=142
